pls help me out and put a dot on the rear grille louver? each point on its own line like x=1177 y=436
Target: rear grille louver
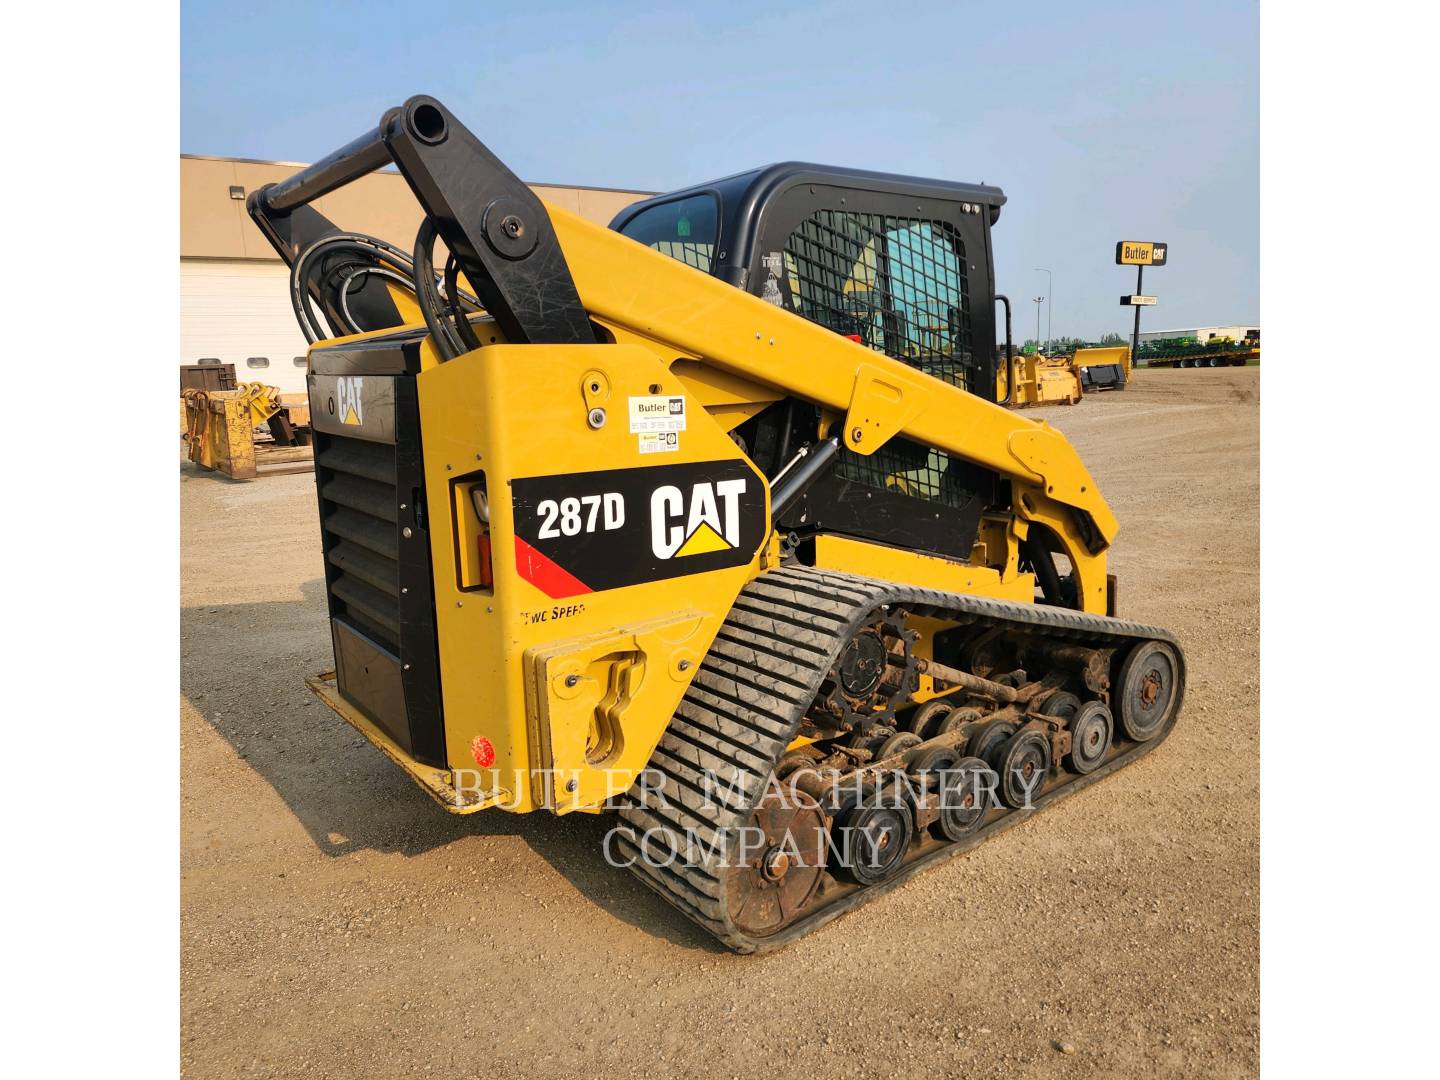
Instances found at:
x=359 y=514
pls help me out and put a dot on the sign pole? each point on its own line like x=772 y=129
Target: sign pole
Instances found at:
x=1135 y=338
x=1139 y=254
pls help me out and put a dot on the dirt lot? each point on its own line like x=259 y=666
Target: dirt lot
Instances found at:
x=337 y=923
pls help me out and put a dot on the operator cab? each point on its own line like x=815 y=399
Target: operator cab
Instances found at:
x=900 y=264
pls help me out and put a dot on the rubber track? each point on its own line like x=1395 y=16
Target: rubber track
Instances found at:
x=747 y=701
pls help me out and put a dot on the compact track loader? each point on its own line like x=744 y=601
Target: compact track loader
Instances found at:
x=604 y=532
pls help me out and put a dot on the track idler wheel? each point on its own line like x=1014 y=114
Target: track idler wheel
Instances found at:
x=897 y=744
x=987 y=739
x=1091 y=731
x=957 y=719
x=1024 y=761
x=872 y=832
x=1148 y=690
x=926 y=720
x=1062 y=705
x=966 y=790
x=779 y=861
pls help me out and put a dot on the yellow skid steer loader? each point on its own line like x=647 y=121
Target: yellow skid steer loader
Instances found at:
x=605 y=532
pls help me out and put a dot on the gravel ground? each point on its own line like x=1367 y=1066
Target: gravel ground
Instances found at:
x=336 y=923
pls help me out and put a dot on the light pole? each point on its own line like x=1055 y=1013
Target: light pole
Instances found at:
x=1038 y=301
x=1050 y=293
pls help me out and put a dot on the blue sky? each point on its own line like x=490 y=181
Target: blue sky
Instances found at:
x=1101 y=121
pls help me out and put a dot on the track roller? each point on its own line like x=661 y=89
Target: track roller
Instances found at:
x=1091 y=731
x=872 y=832
x=1023 y=763
x=966 y=790
x=931 y=759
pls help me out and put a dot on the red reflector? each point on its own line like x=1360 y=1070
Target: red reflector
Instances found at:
x=487 y=572
x=483 y=751
x=853 y=337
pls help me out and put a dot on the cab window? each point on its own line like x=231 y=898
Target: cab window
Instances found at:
x=685 y=229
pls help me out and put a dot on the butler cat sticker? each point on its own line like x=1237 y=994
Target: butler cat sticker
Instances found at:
x=586 y=532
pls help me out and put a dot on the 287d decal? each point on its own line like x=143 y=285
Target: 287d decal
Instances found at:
x=587 y=532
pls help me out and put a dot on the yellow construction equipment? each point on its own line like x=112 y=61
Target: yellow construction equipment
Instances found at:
x=220 y=427
x=1040 y=379
x=623 y=522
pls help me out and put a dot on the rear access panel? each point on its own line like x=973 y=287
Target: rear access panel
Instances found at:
x=368 y=676
x=621 y=522
x=374 y=533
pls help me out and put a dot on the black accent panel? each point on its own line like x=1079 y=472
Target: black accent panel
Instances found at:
x=901 y=498
x=379 y=581
x=419 y=645
x=1102 y=377
x=397 y=353
x=370 y=677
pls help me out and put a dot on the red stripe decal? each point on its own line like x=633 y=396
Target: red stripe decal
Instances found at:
x=546 y=574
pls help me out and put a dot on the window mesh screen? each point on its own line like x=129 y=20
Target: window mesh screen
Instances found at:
x=905 y=468
x=898 y=284
x=700 y=256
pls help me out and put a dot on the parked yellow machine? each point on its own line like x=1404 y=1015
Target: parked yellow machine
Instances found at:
x=602 y=531
x=219 y=425
x=1062 y=379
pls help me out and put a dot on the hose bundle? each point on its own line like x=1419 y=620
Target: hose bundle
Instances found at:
x=339 y=264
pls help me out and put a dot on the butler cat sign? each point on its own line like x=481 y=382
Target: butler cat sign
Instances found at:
x=1140 y=253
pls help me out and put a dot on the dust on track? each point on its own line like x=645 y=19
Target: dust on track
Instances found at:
x=336 y=923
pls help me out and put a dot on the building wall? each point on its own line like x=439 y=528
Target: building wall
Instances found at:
x=1203 y=333
x=234 y=288
x=214 y=225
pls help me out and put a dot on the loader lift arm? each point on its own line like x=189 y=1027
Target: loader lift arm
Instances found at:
x=544 y=274
x=496 y=227
x=704 y=317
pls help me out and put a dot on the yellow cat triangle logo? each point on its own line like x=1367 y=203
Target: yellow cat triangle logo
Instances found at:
x=350 y=417
x=703 y=539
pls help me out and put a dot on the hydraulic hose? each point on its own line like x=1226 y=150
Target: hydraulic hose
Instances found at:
x=336 y=265
x=442 y=332
x=317 y=267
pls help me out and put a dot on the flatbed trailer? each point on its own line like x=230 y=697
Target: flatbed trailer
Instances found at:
x=1207 y=358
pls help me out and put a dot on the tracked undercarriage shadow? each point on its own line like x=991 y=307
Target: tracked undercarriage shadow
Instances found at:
x=243 y=666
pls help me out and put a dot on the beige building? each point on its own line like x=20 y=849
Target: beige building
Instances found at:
x=1201 y=333
x=234 y=289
